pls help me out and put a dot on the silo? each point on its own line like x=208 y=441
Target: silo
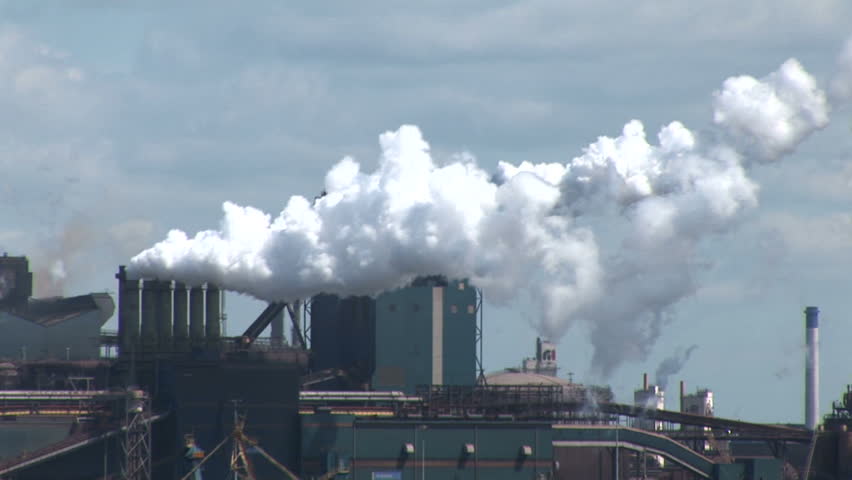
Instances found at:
x=181 y=317
x=196 y=315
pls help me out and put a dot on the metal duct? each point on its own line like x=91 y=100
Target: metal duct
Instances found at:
x=180 y=329
x=196 y=315
x=812 y=368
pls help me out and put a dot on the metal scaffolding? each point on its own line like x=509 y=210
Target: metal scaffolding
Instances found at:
x=137 y=439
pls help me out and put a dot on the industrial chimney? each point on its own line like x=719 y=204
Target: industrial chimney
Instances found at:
x=812 y=368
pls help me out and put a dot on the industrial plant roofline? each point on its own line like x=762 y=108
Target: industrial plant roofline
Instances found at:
x=16 y=289
x=533 y=401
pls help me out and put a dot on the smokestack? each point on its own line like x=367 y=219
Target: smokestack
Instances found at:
x=149 y=315
x=681 y=396
x=196 y=315
x=180 y=330
x=645 y=381
x=165 y=314
x=812 y=368
x=129 y=311
x=213 y=314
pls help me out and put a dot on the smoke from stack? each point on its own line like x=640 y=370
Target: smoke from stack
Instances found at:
x=526 y=230
x=672 y=365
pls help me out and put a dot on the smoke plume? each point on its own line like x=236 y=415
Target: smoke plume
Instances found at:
x=671 y=365
x=51 y=267
x=527 y=228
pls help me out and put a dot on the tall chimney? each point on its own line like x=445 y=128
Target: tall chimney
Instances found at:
x=645 y=382
x=681 y=396
x=812 y=368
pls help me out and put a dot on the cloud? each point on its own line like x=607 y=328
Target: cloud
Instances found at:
x=825 y=236
x=841 y=81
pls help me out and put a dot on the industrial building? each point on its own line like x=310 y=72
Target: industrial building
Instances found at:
x=50 y=328
x=386 y=387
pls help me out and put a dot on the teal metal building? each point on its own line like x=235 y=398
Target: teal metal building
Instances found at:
x=423 y=334
x=355 y=446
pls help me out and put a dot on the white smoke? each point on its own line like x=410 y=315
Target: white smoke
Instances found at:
x=375 y=231
x=769 y=117
x=671 y=365
x=529 y=228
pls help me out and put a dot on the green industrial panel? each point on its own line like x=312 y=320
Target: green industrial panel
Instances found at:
x=729 y=471
x=403 y=339
x=763 y=469
x=376 y=448
x=459 y=336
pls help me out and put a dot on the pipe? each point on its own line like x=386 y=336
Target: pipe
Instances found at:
x=812 y=368
x=196 y=315
x=181 y=317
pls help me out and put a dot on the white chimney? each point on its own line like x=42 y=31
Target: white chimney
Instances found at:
x=812 y=368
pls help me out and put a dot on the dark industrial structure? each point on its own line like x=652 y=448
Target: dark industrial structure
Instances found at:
x=424 y=334
x=388 y=387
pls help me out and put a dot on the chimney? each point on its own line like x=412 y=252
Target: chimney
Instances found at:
x=812 y=368
x=645 y=382
x=682 y=391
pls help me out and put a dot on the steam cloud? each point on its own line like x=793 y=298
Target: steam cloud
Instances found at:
x=527 y=228
x=671 y=365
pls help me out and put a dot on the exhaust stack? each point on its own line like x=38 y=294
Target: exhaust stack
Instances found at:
x=812 y=368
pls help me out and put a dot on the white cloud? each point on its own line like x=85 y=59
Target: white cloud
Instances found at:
x=826 y=236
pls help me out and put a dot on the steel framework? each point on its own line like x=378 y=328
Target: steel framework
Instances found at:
x=137 y=438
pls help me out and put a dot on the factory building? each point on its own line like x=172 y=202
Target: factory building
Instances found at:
x=370 y=388
x=541 y=371
x=544 y=362
x=649 y=397
x=47 y=329
x=424 y=334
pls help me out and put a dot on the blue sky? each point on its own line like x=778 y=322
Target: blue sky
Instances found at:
x=119 y=122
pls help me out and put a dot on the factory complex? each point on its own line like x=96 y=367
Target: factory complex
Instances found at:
x=363 y=388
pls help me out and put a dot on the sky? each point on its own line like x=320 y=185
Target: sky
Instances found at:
x=120 y=122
